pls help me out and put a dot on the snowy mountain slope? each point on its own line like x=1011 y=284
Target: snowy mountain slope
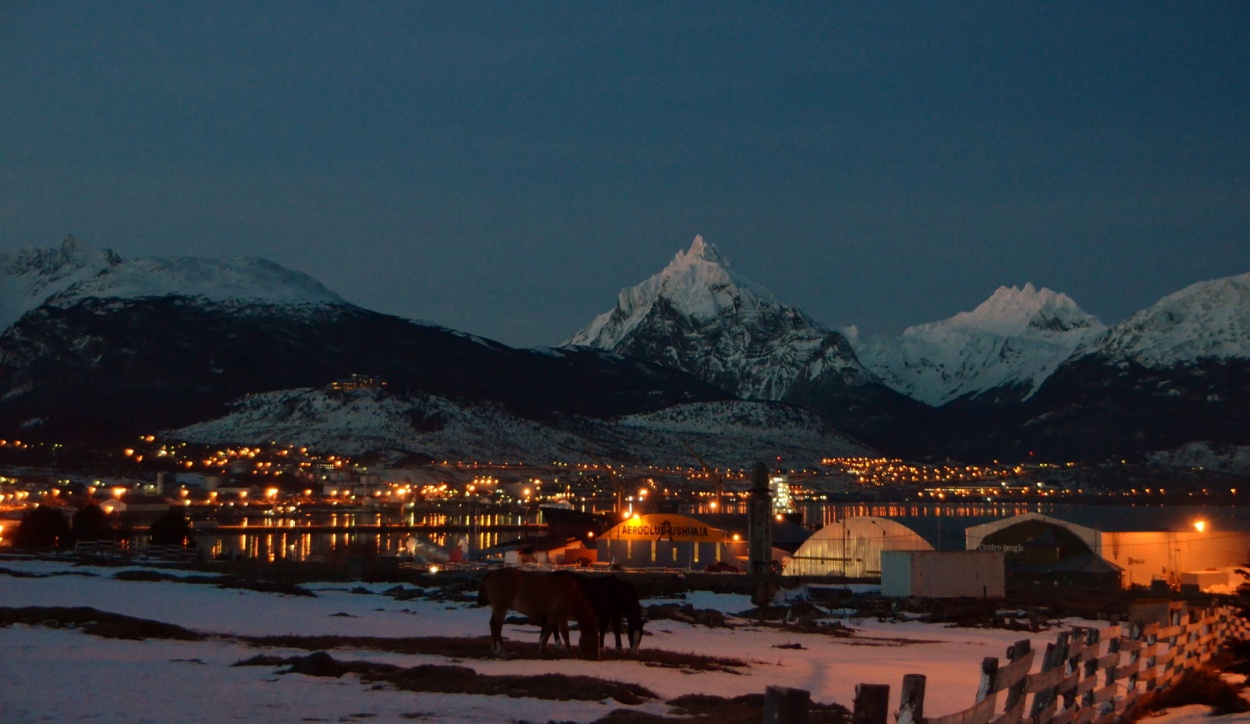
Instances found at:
x=242 y=280
x=1168 y=377
x=1009 y=344
x=103 y=348
x=30 y=276
x=1207 y=320
x=726 y=433
x=74 y=271
x=699 y=316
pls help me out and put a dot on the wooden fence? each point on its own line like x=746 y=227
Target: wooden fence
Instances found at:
x=1087 y=675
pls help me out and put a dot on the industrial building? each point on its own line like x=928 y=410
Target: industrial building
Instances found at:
x=943 y=574
x=670 y=540
x=852 y=548
x=1066 y=553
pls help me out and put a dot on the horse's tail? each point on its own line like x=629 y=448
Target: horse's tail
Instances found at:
x=483 y=598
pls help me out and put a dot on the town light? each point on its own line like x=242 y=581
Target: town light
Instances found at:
x=1200 y=525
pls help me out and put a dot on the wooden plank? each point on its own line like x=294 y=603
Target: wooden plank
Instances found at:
x=1087 y=684
x=1105 y=693
x=1109 y=660
x=1131 y=645
x=1011 y=715
x=1126 y=670
x=1012 y=673
x=1169 y=632
x=1046 y=713
x=1044 y=680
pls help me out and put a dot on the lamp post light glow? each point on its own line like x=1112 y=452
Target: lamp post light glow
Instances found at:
x=1200 y=525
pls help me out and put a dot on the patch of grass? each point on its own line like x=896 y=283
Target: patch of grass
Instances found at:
x=479 y=648
x=708 y=709
x=1198 y=686
x=226 y=581
x=447 y=679
x=96 y=623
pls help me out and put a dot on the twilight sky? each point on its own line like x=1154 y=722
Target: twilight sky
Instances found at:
x=504 y=168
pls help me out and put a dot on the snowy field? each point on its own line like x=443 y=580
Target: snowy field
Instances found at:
x=64 y=674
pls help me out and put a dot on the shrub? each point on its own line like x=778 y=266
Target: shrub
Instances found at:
x=42 y=528
x=91 y=523
x=171 y=529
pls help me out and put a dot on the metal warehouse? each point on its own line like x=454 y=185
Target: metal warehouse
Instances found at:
x=852 y=548
x=1040 y=545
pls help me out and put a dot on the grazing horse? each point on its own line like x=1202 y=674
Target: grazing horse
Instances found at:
x=612 y=598
x=548 y=598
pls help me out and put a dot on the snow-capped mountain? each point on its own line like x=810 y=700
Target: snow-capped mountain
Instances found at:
x=1207 y=320
x=1004 y=349
x=30 y=276
x=75 y=271
x=1169 y=376
x=239 y=280
x=108 y=350
x=699 y=316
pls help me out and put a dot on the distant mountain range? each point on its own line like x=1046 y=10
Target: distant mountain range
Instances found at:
x=1025 y=373
x=101 y=349
x=98 y=348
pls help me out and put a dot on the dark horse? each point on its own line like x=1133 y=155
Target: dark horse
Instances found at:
x=612 y=598
x=548 y=598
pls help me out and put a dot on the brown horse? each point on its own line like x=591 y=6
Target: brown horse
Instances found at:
x=547 y=598
x=612 y=598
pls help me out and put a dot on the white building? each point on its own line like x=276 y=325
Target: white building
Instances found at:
x=852 y=548
x=943 y=574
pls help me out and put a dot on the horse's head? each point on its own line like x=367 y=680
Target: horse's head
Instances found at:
x=588 y=644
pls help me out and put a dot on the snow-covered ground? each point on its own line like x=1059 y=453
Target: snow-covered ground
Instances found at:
x=63 y=674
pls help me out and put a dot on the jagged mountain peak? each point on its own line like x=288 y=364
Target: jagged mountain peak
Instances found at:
x=32 y=275
x=700 y=316
x=1209 y=319
x=1012 y=311
x=698 y=281
x=1011 y=343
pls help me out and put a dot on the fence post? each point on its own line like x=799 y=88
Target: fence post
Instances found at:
x=1092 y=638
x=1013 y=708
x=911 y=700
x=1054 y=658
x=872 y=704
x=783 y=705
x=989 y=670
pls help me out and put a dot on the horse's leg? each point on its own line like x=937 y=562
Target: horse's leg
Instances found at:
x=549 y=625
x=563 y=630
x=496 y=631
